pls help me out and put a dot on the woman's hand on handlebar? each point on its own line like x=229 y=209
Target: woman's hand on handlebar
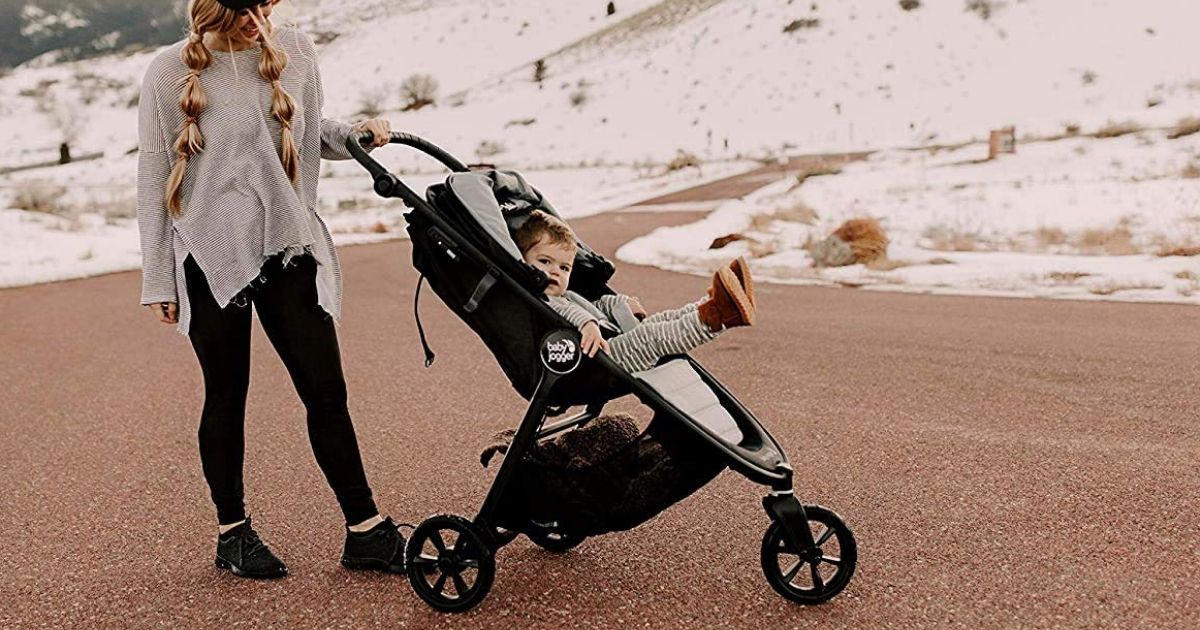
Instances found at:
x=167 y=312
x=380 y=129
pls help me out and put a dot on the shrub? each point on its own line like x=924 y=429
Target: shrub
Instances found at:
x=1116 y=241
x=579 y=97
x=909 y=5
x=372 y=102
x=682 y=160
x=866 y=239
x=1115 y=129
x=1191 y=171
x=1185 y=127
x=418 y=90
x=796 y=25
x=984 y=8
x=40 y=195
x=539 y=71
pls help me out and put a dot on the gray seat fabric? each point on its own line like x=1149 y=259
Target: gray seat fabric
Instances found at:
x=677 y=382
x=475 y=191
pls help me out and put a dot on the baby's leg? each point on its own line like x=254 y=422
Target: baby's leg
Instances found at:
x=642 y=347
x=671 y=314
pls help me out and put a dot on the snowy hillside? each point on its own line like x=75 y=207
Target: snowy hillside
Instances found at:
x=725 y=80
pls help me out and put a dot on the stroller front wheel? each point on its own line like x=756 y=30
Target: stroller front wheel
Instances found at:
x=449 y=563
x=815 y=575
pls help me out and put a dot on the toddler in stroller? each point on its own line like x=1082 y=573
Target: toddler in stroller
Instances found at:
x=547 y=243
x=462 y=244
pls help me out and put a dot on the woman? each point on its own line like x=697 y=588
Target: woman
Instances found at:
x=231 y=140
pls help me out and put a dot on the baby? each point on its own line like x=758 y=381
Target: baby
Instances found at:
x=547 y=243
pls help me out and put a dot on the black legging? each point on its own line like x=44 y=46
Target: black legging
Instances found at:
x=303 y=335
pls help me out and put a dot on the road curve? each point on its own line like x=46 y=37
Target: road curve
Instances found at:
x=1004 y=463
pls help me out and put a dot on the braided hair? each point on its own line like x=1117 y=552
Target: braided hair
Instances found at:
x=209 y=16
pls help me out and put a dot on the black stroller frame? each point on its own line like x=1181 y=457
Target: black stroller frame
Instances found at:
x=447 y=551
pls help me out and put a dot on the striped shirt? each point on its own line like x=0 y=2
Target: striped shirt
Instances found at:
x=641 y=346
x=239 y=206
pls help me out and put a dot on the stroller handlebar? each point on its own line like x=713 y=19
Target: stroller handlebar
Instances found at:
x=387 y=184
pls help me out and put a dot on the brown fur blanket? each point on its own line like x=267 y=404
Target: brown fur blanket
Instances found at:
x=605 y=475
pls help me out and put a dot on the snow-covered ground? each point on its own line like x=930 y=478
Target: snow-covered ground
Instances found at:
x=92 y=232
x=724 y=80
x=1077 y=218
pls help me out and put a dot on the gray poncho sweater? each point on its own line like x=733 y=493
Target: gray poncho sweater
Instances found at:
x=239 y=207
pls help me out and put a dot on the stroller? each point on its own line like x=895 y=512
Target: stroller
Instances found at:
x=462 y=245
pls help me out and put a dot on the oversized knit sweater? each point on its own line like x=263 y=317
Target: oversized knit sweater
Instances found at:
x=239 y=206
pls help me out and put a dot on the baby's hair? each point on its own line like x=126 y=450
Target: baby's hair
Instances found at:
x=544 y=225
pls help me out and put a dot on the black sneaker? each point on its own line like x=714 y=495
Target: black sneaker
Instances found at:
x=241 y=551
x=380 y=548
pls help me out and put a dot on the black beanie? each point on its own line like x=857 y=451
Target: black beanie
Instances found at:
x=238 y=5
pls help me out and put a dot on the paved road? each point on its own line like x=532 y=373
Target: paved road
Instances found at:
x=1004 y=463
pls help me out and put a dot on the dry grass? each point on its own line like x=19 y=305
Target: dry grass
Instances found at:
x=1191 y=171
x=1180 y=251
x=1115 y=241
x=909 y=5
x=682 y=160
x=40 y=195
x=1065 y=277
x=1049 y=236
x=945 y=239
x=1184 y=127
x=866 y=239
x=1114 y=129
x=798 y=213
x=817 y=171
x=887 y=264
x=1187 y=275
x=1109 y=287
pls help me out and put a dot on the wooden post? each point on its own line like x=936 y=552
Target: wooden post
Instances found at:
x=1003 y=140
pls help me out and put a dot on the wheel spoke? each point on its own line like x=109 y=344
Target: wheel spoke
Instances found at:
x=818 y=583
x=829 y=531
x=439 y=587
x=792 y=571
x=834 y=560
x=424 y=560
x=460 y=585
x=437 y=541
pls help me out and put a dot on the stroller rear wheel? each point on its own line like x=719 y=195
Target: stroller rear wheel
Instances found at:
x=554 y=541
x=450 y=565
x=810 y=576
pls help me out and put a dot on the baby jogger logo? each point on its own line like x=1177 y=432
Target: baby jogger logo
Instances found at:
x=560 y=351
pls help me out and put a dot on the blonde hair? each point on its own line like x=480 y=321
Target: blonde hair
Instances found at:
x=207 y=16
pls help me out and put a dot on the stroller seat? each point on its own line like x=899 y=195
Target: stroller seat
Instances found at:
x=677 y=382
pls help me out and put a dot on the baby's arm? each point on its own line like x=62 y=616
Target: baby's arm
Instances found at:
x=580 y=318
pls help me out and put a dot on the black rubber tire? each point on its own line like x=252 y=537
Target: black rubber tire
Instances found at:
x=829 y=526
x=433 y=563
x=555 y=542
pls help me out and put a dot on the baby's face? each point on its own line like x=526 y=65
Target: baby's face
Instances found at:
x=555 y=260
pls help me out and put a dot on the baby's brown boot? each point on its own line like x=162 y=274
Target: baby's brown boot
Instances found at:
x=741 y=269
x=728 y=306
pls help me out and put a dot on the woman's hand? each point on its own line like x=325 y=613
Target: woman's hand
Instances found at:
x=592 y=340
x=167 y=312
x=380 y=128
x=635 y=305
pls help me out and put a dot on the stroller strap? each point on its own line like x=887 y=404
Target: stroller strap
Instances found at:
x=481 y=289
x=429 y=356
